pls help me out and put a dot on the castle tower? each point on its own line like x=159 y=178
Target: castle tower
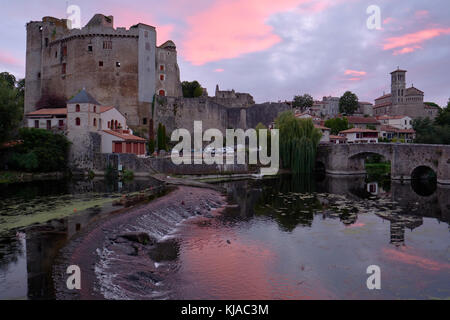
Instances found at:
x=398 y=86
x=83 y=113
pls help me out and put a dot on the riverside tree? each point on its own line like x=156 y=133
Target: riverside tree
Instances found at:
x=348 y=103
x=11 y=105
x=298 y=142
x=303 y=102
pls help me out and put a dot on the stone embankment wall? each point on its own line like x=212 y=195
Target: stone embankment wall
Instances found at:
x=147 y=166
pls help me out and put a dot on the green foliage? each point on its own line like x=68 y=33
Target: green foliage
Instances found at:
x=337 y=125
x=24 y=161
x=191 y=89
x=298 y=142
x=443 y=117
x=11 y=105
x=161 y=137
x=432 y=104
x=127 y=175
x=430 y=132
x=303 y=102
x=40 y=151
x=151 y=146
x=260 y=127
x=348 y=103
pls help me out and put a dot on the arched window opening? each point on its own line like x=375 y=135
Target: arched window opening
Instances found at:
x=77 y=108
x=78 y=121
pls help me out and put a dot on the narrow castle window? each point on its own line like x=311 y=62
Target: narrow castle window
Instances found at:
x=100 y=63
x=95 y=122
x=64 y=68
x=144 y=121
x=46 y=42
x=77 y=108
x=64 y=51
x=162 y=93
x=107 y=45
x=90 y=48
x=161 y=67
x=36 y=124
x=95 y=109
x=78 y=121
x=161 y=77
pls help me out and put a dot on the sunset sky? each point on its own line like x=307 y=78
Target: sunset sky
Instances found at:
x=274 y=49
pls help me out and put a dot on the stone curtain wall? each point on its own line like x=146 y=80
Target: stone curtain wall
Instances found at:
x=182 y=112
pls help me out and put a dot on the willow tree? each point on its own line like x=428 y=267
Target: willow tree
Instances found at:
x=298 y=142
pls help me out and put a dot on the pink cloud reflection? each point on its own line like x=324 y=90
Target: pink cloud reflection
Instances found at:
x=401 y=255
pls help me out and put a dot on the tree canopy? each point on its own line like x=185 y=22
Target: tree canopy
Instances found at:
x=348 y=103
x=191 y=89
x=298 y=142
x=303 y=102
x=434 y=132
x=337 y=125
x=11 y=105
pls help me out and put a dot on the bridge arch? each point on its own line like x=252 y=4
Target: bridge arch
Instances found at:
x=348 y=159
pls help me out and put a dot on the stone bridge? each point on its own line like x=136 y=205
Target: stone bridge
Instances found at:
x=407 y=160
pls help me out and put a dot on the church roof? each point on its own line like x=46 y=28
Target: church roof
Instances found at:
x=83 y=97
x=413 y=91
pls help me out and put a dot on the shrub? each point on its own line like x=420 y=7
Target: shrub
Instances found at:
x=40 y=151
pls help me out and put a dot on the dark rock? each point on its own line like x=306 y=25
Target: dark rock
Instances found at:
x=165 y=251
x=139 y=237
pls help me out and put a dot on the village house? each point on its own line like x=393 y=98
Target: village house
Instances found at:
x=84 y=114
x=391 y=133
x=364 y=122
x=337 y=139
x=359 y=135
x=325 y=133
x=399 y=122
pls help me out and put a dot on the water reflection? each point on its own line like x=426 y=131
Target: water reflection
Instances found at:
x=26 y=257
x=293 y=200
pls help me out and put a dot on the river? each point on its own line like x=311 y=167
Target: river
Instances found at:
x=290 y=237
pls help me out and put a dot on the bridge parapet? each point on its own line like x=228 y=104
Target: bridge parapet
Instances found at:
x=348 y=159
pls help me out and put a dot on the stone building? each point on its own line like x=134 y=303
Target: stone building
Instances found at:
x=231 y=98
x=402 y=100
x=120 y=67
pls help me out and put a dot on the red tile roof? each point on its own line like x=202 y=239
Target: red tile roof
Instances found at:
x=124 y=136
x=380 y=105
x=318 y=126
x=394 y=129
x=357 y=130
x=104 y=109
x=384 y=96
x=333 y=137
x=387 y=117
x=363 y=120
x=48 y=112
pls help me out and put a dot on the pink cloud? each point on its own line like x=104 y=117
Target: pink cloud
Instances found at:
x=421 y=14
x=128 y=17
x=7 y=59
x=355 y=73
x=219 y=70
x=230 y=28
x=413 y=40
x=406 y=50
x=388 y=20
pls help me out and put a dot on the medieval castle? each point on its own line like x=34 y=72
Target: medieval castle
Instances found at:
x=120 y=67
